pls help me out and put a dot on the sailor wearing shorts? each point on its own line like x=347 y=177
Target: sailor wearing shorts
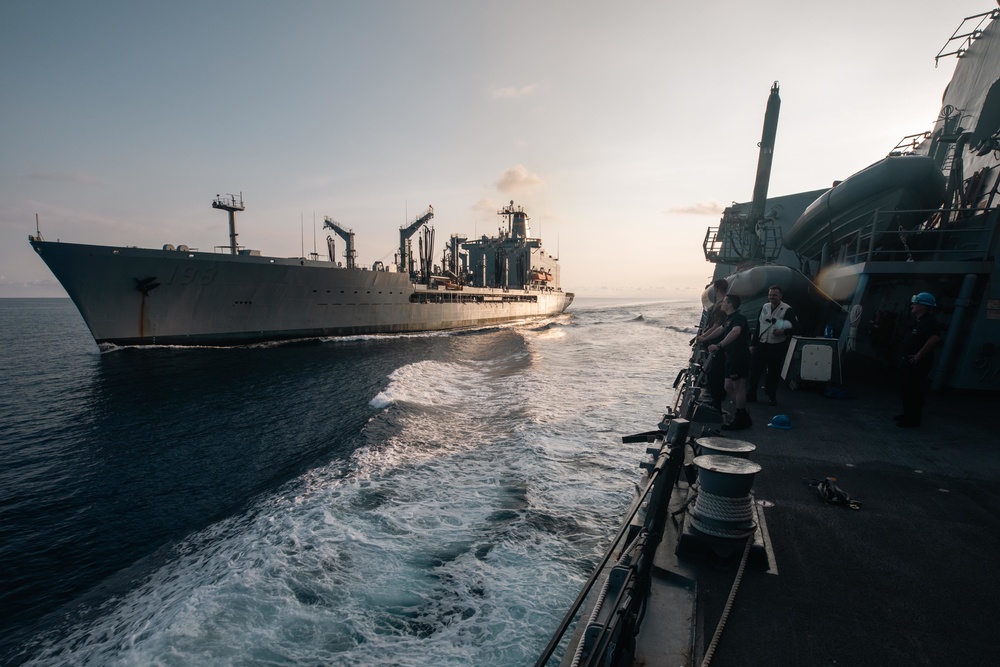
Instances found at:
x=736 y=345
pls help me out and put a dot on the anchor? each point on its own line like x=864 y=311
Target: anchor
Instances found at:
x=146 y=285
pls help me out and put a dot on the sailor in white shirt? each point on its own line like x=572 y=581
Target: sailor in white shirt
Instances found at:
x=775 y=326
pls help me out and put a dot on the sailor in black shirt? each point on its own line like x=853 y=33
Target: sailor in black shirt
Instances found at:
x=736 y=343
x=918 y=356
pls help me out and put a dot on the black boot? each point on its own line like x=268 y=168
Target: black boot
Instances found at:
x=741 y=420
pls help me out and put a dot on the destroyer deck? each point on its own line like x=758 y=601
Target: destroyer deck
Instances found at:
x=909 y=579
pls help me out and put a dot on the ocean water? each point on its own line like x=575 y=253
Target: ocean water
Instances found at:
x=393 y=500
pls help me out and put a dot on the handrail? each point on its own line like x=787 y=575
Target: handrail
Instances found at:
x=910 y=141
x=615 y=624
x=946 y=241
x=967 y=37
x=664 y=475
x=587 y=587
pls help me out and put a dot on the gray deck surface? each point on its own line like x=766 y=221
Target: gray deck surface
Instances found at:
x=912 y=578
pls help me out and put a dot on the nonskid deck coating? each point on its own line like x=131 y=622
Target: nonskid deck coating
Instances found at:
x=909 y=579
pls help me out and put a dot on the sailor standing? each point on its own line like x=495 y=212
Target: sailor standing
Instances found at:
x=775 y=326
x=711 y=329
x=735 y=341
x=918 y=356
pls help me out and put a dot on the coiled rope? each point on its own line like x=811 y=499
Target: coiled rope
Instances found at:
x=735 y=511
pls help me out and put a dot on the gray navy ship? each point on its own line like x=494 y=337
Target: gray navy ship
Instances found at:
x=921 y=219
x=898 y=585
x=235 y=295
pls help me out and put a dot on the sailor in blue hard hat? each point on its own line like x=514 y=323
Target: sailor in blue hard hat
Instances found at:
x=917 y=350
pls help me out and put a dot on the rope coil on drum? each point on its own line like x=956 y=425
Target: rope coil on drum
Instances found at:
x=736 y=513
x=724 y=508
x=724 y=504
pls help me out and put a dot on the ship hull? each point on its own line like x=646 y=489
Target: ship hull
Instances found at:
x=136 y=296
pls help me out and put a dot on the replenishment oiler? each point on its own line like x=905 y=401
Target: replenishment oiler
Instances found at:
x=234 y=295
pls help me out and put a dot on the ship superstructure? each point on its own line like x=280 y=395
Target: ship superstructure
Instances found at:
x=924 y=218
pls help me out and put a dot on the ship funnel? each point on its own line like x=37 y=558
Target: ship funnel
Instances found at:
x=519 y=225
x=764 y=161
x=517 y=220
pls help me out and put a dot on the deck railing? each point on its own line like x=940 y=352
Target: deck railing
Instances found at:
x=608 y=638
x=948 y=235
x=961 y=41
x=734 y=242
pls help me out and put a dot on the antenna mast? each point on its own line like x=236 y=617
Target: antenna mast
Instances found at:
x=232 y=205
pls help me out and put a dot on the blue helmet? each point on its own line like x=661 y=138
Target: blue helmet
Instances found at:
x=924 y=299
x=780 y=421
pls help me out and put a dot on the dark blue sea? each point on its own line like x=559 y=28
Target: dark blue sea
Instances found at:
x=394 y=500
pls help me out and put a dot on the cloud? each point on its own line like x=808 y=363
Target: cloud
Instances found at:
x=711 y=208
x=14 y=282
x=486 y=205
x=518 y=181
x=78 y=178
x=508 y=92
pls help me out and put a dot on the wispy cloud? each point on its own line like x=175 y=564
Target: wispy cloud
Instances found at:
x=14 y=282
x=78 y=178
x=518 y=181
x=508 y=92
x=710 y=208
x=486 y=205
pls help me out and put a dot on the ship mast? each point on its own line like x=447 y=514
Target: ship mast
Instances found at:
x=232 y=204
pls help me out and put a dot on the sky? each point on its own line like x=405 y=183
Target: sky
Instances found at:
x=622 y=128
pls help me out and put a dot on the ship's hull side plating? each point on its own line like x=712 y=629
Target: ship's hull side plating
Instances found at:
x=135 y=296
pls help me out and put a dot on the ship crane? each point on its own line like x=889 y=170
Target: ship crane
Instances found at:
x=456 y=261
x=405 y=254
x=350 y=253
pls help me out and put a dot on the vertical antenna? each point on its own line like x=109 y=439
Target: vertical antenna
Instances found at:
x=314 y=233
x=302 y=234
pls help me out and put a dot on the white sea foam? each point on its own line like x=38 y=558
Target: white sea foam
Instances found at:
x=460 y=538
x=432 y=383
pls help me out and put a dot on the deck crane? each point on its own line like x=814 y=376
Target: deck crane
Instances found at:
x=405 y=253
x=350 y=253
